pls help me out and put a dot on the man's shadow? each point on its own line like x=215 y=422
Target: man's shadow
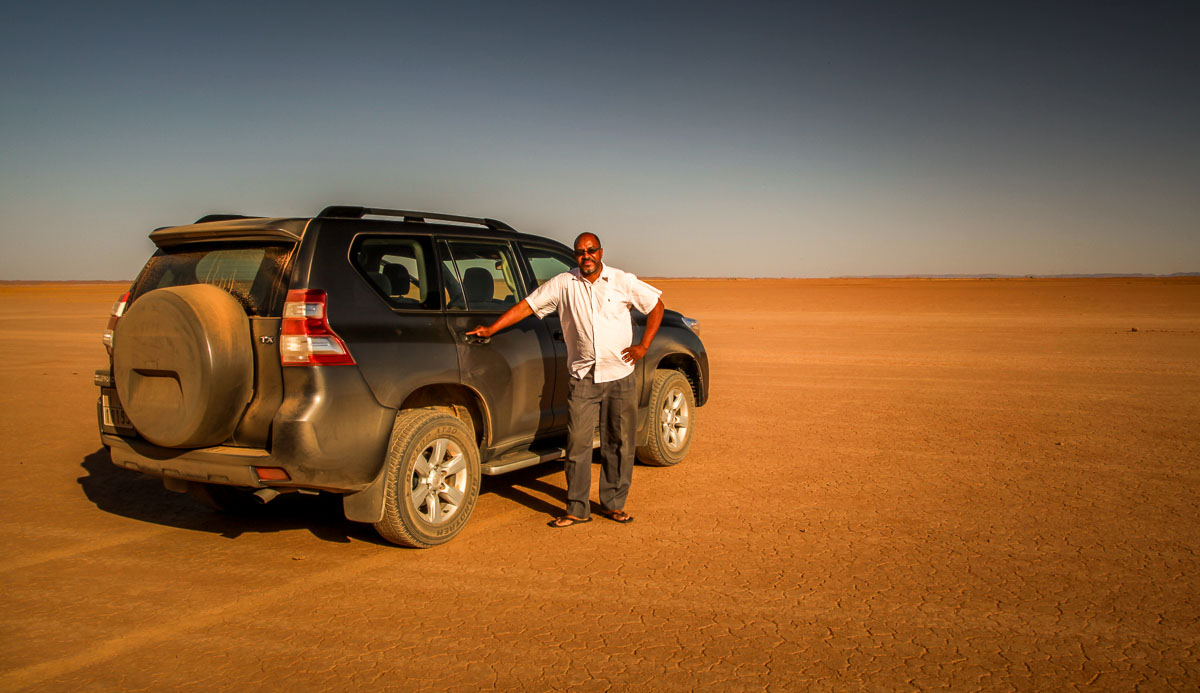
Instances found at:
x=519 y=486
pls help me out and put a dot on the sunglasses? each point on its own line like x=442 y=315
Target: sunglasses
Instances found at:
x=579 y=252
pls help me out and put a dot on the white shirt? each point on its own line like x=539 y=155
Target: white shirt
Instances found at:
x=595 y=317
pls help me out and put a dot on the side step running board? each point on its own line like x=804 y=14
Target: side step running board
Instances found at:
x=521 y=459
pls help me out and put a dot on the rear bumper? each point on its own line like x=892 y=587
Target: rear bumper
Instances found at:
x=233 y=466
x=216 y=465
x=329 y=434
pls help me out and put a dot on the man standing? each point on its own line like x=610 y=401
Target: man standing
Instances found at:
x=593 y=302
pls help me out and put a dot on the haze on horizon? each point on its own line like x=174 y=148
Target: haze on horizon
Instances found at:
x=698 y=139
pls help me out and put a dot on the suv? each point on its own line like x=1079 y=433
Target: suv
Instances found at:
x=257 y=356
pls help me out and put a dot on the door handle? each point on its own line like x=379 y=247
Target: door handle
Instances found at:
x=558 y=336
x=475 y=339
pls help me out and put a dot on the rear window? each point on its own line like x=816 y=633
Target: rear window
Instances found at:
x=254 y=274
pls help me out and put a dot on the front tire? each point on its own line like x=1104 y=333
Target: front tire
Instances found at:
x=672 y=420
x=433 y=478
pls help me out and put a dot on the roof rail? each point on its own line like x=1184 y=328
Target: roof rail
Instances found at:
x=360 y=212
x=221 y=217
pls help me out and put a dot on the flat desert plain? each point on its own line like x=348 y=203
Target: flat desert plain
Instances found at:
x=897 y=484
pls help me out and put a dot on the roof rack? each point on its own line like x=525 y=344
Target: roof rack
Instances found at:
x=222 y=217
x=409 y=216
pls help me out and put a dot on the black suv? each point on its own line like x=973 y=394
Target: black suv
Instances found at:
x=257 y=356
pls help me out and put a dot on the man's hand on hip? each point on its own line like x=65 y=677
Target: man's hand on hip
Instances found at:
x=633 y=354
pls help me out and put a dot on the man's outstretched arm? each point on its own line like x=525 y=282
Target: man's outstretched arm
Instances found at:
x=510 y=317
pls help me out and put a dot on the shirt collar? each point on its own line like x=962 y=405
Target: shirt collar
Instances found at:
x=605 y=274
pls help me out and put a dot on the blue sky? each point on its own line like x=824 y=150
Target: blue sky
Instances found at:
x=698 y=139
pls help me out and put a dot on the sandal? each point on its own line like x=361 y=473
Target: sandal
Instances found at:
x=617 y=516
x=567 y=521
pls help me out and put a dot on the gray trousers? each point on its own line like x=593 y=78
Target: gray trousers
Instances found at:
x=615 y=403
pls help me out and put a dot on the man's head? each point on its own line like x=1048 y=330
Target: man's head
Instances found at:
x=589 y=255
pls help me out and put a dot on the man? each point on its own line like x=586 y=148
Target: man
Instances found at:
x=593 y=302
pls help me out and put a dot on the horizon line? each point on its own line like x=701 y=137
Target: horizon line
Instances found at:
x=1068 y=275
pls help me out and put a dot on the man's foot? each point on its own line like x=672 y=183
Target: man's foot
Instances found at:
x=568 y=521
x=617 y=516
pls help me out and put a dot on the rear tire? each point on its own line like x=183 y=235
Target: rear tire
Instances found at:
x=672 y=420
x=432 y=479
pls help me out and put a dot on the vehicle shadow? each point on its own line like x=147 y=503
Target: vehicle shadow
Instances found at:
x=140 y=497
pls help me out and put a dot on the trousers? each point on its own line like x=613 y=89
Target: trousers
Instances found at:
x=614 y=404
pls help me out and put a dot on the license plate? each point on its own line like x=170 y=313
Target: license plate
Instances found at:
x=114 y=415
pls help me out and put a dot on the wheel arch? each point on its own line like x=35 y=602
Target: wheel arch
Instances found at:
x=455 y=399
x=685 y=364
x=458 y=400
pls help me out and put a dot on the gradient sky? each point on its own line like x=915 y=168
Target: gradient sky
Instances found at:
x=698 y=139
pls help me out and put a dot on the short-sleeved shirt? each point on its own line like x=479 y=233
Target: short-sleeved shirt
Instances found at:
x=595 y=317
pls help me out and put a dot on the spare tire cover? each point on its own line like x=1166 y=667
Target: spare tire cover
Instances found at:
x=183 y=365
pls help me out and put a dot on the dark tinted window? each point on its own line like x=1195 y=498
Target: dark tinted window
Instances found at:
x=547 y=262
x=256 y=275
x=397 y=267
x=481 y=276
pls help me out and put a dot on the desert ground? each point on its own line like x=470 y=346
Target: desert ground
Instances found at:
x=897 y=484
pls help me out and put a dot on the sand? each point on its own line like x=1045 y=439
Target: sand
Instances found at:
x=897 y=484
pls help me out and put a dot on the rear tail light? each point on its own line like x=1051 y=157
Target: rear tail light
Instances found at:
x=118 y=310
x=305 y=338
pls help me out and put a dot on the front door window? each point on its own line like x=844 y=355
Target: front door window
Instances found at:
x=484 y=277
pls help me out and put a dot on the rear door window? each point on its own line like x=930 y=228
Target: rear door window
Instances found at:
x=397 y=267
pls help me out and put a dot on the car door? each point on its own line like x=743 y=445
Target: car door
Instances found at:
x=398 y=335
x=514 y=370
x=543 y=261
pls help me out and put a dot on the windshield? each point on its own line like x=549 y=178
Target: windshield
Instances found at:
x=254 y=274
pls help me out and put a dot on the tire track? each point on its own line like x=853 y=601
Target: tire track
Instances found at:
x=34 y=674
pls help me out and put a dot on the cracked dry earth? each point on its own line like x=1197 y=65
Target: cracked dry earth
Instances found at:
x=897 y=484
